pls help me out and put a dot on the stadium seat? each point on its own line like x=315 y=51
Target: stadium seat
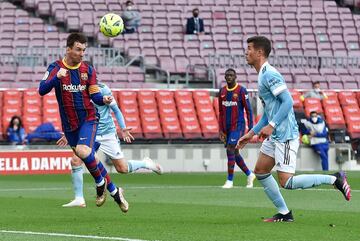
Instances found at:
x=335 y=121
x=171 y=126
x=312 y=104
x=351 y=110
x=298 y=104
x=133 y=122
x=354 y=130
x=151 y=126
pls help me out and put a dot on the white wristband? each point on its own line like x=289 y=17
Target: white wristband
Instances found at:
x=272 y=124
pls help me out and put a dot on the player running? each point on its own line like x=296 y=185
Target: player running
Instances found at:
x=75 y=87
x=233 y=99
x=279 y=129
x=110 y=146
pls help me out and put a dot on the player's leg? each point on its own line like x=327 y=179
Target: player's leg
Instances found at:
x=110 y=146
x=77 y=182
x=285 y=155
x=85 y=149
x=264 y=165
x=230 y=153
x=241 y=164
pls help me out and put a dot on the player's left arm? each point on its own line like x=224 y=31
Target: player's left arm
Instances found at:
x=286 y=103
x=278 y=88
x=246 y=103
x=120 y=119
x=94 y=90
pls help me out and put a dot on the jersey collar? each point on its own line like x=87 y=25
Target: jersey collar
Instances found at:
x=227 y=88
x=262 y=66
x=69 y=66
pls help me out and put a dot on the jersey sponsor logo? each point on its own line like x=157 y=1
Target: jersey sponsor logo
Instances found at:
x=74 y=88
x=274 y=81
x=246 y=96
x=84 y=76
x=222 y=96
x=229 y=103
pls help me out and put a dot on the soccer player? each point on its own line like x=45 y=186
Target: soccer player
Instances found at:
x=233 y=99
x=279 y=129
x=75 y=87
x=110 y=146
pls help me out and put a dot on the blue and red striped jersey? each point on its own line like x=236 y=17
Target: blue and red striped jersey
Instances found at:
x=73 y=92
x=232 y=103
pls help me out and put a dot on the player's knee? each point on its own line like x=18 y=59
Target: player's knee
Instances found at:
x=286 y=183
x=76 y=161
x=82 y=151
x=121 y=166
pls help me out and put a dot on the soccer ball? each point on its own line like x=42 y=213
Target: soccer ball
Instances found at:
x=305 y=139
x=111 y=25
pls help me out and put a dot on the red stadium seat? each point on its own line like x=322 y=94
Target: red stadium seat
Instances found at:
x=331 y=94
x=32 y=98
x=49 y=100
x=151 y=126
x=172 y=130
x=133 y=122
x=348 y=100
x=335 y=122
x=298 y=104
x=312 y=104
x=330 y=102
x=352 y=118
x=351 y=109
x=164 y=94
x=31 y=122
x=354 y=130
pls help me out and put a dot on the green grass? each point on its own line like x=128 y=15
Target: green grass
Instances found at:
x=175 y=207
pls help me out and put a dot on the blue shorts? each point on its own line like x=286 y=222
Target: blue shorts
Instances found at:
x=84 y=135
x=232 y=137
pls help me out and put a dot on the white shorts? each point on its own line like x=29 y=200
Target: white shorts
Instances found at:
x=284 y=153
x=110 y=145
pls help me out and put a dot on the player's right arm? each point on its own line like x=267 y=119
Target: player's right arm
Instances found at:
x=254 y=131
x=50 y=79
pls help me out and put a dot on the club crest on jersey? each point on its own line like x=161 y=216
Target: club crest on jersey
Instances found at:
x=84 y=76
x=235 y=95
x=74 y=88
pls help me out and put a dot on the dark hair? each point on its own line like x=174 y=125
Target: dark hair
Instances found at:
x=128 y=2
x=231 y=69
x=261 y=42
x=11 y=124
x=75 y=37
x=316 y=82
x=195 y=9
x=313 y=112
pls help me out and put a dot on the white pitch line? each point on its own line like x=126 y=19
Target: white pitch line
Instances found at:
x=69 y=235
x=159 y=187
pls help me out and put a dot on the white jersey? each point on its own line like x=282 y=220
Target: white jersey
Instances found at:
x=271 y=84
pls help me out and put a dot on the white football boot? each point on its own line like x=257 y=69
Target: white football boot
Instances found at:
x=250 y=180
x=228 y=184
x=121 y=201
x=77 y=202
x=153 y=166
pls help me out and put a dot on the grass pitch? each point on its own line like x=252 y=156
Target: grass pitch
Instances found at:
x=173 y=207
